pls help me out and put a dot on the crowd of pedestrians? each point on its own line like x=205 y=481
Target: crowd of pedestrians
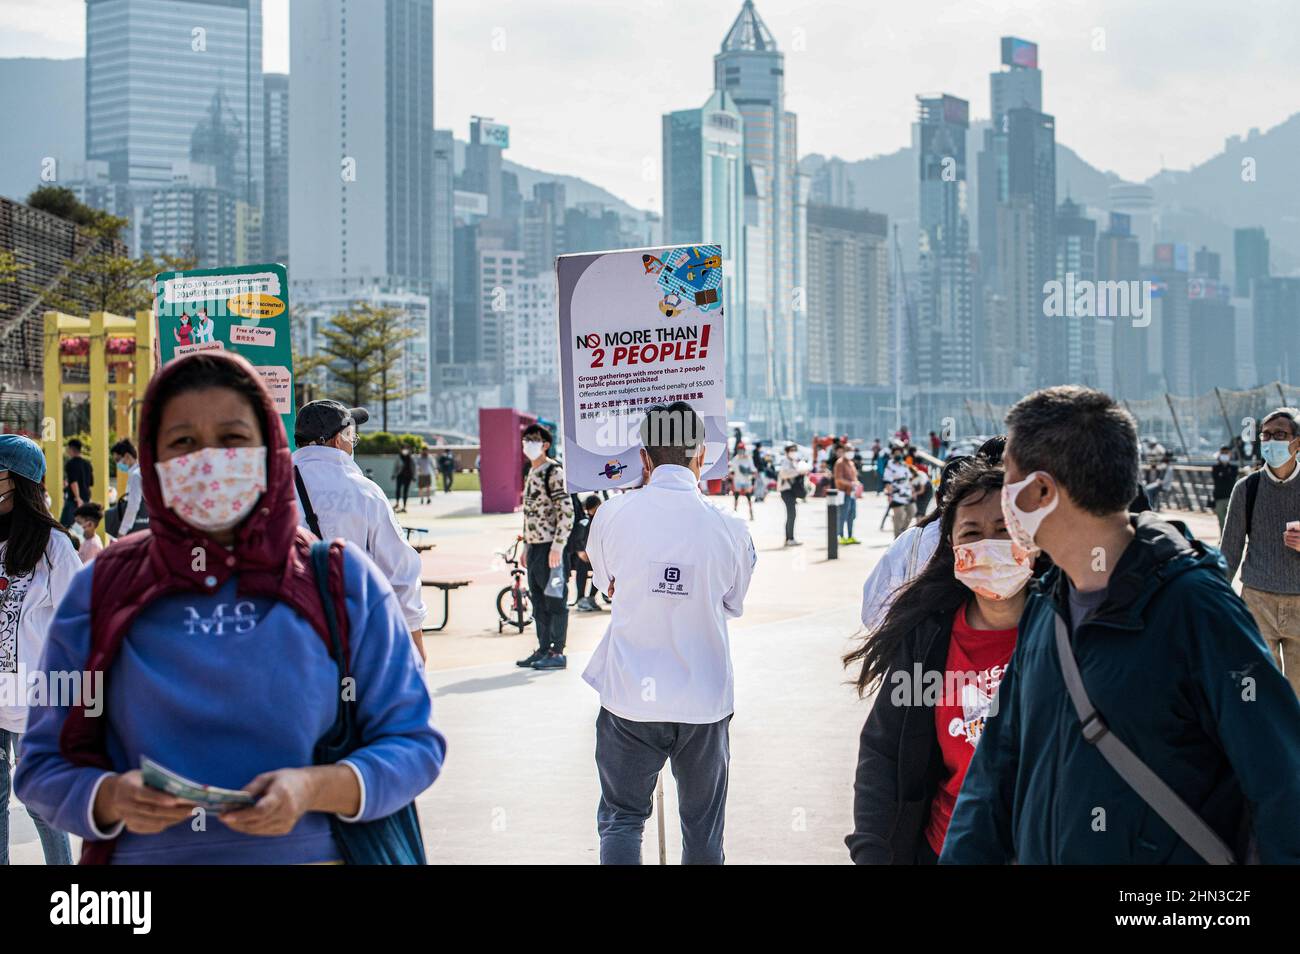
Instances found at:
x=1061 y=673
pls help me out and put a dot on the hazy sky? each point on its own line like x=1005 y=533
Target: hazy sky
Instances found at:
x=583 y=83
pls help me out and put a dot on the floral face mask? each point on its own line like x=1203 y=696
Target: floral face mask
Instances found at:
x=213 y=488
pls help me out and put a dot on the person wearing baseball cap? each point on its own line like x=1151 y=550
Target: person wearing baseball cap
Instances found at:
x=335 y=499
x=320 y=422
x=37 y=564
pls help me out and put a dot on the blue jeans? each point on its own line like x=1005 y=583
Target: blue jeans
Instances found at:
x=58 y=850
x=629 y=757
x=848 y=511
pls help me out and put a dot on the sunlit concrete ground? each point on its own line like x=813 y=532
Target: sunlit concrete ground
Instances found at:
x=520 y=783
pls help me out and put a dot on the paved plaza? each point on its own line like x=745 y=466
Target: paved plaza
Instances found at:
x=519 y=784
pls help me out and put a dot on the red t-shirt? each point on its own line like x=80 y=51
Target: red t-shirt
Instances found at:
x=977 y=661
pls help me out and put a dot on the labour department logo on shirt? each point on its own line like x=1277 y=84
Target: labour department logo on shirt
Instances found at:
x=670 y=579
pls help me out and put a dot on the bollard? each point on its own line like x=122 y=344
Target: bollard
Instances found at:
x=832 y=524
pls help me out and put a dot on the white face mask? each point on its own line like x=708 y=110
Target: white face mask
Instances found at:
x=1224 y=458
x=532 y=449
x=991 y=568
x=213 y=488
x=1022 y=525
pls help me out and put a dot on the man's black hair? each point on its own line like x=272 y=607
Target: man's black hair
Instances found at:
x=536 y=430
x=672 y=433
x=124 y=447
x=591 y=502
x=74 y=444
x=992 y=449
x=1086 y=441
x=90 y=511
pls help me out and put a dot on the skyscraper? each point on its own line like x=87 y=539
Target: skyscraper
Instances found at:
x=275 y=176
x=1031 y=175
x=704 y=202
x=444 y=219
x=1118 y=261
x=153 y=70
x=1076 y=254
x=1276 y=304
x=848 y=315
x=1018 y=86
x=1250 y=259
x=482 y=172
x=361 y=184
x=361 y=142
x=942 y=349
x=1169 y=361
x=751 y=70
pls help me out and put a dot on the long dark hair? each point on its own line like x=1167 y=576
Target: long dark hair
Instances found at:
x=30 y=526
x=935 y=589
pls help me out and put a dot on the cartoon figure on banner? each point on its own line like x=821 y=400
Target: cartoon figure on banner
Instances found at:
x=203 y=328
x=652 y=265
x=613 y=470
x=693 y=273
x=184 y=331
x=671 y=306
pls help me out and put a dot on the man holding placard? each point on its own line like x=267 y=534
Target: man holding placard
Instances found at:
x=678 y=568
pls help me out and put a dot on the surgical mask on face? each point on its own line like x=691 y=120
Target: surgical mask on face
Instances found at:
x=213 y=488
x=1275 y=453
x=349 y=436
x=1224 y=458
x=1022 y=525
x=991 y=568
x=123 y=467
x=532 y=449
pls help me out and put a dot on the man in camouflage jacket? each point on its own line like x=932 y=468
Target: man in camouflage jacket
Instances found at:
x=548 y=521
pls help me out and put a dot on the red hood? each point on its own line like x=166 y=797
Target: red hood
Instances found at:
x=266 y=534
x=271 y=555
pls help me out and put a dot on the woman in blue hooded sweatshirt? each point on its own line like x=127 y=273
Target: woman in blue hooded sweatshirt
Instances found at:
x=210 y=638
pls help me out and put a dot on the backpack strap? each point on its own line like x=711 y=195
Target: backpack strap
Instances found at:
x=549 y=477
x=327 y=565
x=1162 y=799
x=1252 y=491
x=312 y=522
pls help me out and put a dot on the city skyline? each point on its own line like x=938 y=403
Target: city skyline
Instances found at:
x=1188 y=98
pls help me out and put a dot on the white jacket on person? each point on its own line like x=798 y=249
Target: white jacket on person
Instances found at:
x=28 y=604
x=350 y=505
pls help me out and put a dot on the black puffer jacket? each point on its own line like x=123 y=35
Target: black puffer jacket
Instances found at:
x=900 y=764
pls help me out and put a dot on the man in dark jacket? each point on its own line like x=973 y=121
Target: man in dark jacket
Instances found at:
x=1168 y=654
x=1224 y=472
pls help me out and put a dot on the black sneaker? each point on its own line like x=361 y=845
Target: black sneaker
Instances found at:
x=527 y=663
x=551 y=661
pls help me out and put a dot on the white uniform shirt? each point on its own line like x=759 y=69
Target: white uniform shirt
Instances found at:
x=134 y=496
x=680 y=568
x=27 y=608
x=905 y=558
x=350 y=505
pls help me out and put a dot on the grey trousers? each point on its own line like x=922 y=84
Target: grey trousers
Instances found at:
x=629 y=757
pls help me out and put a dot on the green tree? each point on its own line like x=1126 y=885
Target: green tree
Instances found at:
x=348 y=352
x=61 y=202
x=388 y=333
x=98 y=278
